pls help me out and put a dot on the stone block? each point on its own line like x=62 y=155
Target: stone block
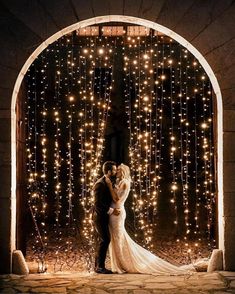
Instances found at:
x=229 y=243
x=5 y=129
x=171 y=17
x=5 y=156
x=229 y=120
x=5 y=182
x=197 y=19
x=151 y=9
x=5 y=235
x=216 y=261
x=232 y=285
x=101 y=8
x=14 y=56
x=31 y=15
x=116 y=8
x=19 y=265
x=132 y=7
x=229 y=146
x=83 y=9
x=229 y=204
x=228 y=96
x=8 y=51
x=226 y=77
x=5 y=98
x=228 y=275
x=63 y=13
x=219 y=64
x=5 y=113
x=229 y=177
x=217 y=22
x=26 y=39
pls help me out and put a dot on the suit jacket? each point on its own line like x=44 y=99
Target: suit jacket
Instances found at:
x=103 y=198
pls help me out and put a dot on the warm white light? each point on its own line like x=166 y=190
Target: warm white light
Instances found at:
x=101 y=51
x=174 y=187
x=204 y=125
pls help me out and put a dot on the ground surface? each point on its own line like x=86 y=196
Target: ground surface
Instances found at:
x=217 y=282
x=74 y=259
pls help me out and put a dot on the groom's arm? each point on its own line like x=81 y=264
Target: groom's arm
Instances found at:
x=98 y=192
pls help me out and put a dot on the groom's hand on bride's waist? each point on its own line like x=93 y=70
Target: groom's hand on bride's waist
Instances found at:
x=116 y=211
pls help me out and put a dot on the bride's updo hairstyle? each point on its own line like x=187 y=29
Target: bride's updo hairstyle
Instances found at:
x=125 y=171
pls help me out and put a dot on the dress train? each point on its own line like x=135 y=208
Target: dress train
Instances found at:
x=127 y=256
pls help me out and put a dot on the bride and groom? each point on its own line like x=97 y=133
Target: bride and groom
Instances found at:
x=110 y=193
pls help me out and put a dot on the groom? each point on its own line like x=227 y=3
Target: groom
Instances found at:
x=102 y=210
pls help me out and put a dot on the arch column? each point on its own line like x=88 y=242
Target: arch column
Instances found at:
x=229 y=189
x=7 y=195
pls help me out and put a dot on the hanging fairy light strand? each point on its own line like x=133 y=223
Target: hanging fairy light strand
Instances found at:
x=37 y=159
x=172 y=138
x=44 y=183
x=139 y=66
x=58 y=159
x=96 y=96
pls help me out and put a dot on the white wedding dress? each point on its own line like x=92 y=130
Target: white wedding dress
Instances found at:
x=126 y=255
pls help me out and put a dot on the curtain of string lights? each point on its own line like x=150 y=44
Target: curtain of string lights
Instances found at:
x=169 y=106
x=170 y=109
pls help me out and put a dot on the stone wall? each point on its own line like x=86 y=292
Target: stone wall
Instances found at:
x=207 y=25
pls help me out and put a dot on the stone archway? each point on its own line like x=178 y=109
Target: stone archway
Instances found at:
x=146 y=23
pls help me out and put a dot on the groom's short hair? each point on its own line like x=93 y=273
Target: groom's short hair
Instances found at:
x=108 y=165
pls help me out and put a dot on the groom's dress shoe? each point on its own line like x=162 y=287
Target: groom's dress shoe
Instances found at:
x=100 y=270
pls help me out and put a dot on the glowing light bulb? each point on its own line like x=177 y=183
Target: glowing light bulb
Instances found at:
x=174 y=187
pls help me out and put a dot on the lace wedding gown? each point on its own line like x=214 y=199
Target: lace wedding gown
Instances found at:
x=126 y=255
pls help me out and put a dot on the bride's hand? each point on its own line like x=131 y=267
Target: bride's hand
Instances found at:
x=108 y=182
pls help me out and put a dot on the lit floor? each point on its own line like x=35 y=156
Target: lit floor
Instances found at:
x=216 y=282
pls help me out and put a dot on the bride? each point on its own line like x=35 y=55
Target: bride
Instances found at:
x=126 y=255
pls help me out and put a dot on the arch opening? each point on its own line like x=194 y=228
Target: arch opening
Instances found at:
x=125 y=19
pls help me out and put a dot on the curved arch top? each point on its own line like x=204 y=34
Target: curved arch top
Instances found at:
x=124 y=19
x=157 y=27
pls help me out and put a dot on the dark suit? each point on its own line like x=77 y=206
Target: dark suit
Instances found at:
x=103 y=201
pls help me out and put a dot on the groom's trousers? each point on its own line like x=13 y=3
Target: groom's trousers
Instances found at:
x=102 y=229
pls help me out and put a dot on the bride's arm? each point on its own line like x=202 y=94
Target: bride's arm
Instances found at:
x=114 y=195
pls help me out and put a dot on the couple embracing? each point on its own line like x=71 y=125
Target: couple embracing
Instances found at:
x=126 y=256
